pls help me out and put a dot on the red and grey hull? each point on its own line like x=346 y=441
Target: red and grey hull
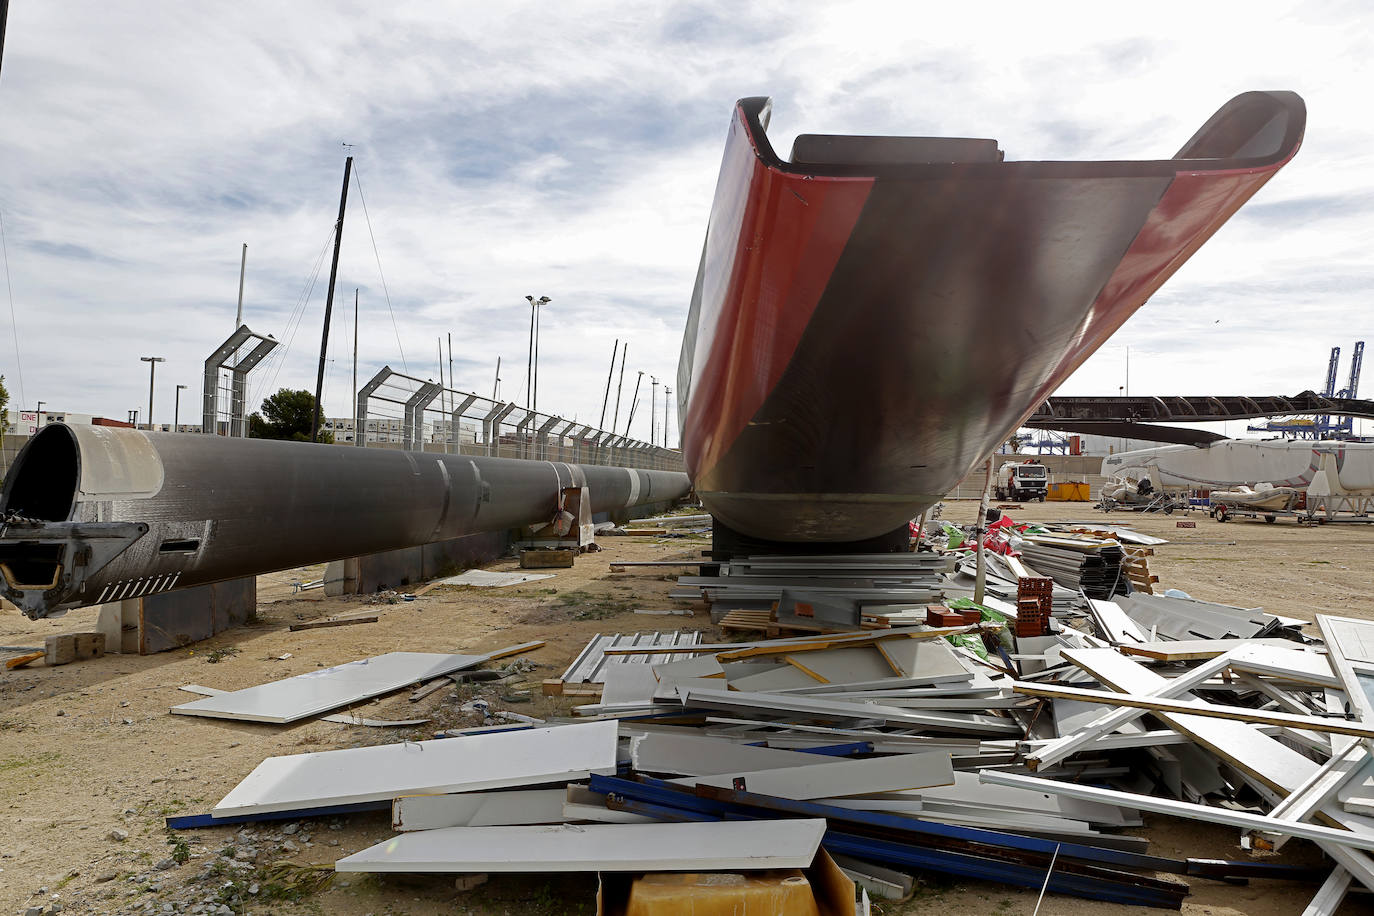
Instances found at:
x=873 y=318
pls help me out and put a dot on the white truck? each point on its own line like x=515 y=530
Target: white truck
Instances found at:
x=1023 y=481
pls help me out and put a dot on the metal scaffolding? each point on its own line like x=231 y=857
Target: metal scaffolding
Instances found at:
x=238 y=388
x=399 y=411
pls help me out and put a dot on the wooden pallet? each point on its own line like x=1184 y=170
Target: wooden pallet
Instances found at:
x=557 y=687
x=749 y=621
x=1137 y=569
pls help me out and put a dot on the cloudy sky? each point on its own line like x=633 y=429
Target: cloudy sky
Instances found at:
x=571 y=150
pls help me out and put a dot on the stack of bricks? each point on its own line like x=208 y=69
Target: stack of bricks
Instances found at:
x=1034 y=602
x=937 y=615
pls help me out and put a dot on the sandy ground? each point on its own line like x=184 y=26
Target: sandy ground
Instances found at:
x=89 y=748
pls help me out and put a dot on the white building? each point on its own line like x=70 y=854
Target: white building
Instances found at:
x=393 y=431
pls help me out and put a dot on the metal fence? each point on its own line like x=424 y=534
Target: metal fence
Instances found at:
x=400 y=411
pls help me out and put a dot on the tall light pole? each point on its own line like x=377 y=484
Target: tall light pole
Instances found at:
x=666 y=391
x=176 y=411
x=152 y=362
x=532 y=371
x=653 y=410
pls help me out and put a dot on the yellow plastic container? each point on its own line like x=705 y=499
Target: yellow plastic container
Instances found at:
x=1068 y=491
x=785 y=892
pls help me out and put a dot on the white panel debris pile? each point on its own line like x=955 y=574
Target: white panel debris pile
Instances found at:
x=315 y=692
x=596 y=847
x=895 y=745
x=385 y=772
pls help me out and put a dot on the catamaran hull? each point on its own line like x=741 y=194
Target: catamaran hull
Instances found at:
x=96 y=513
x=870 y=322
x=1346 y=467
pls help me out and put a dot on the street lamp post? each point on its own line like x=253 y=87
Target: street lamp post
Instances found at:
x=176 y=411
x=653 y=410
x=152 y=362
x=666 y=391
x=532 y=371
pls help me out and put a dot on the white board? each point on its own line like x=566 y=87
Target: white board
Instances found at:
x=930 y=659
x=693 y=755
x=346 y=718
x=845 y=665
x=711 y=846
x=294 y=698
x=478 y=809
x=628 y=684
x=482 y=578
x=489 y=761
x=840 y=778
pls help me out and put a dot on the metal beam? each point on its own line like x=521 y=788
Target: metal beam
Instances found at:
x=416 y=405
x=213 y=364
x=364 y=393
x=238 y=420
x=491 y=424
x=1348 y=839
x=456 y=416
x=1191 y=409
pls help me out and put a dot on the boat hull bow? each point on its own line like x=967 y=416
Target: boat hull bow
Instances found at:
x=876 y=316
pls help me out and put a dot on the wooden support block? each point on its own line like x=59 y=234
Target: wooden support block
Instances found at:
x=70 y=647
x=519 y=649
x=432 y=687
x=20 y=661
x=547 y=559
x=1185 y=524
x=340 y=622
x=557 y=687
x=468 y=882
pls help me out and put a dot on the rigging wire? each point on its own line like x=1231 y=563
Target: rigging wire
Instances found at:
x=293 y=323
x=340 y=346
x=14 y=322
x=357 y=177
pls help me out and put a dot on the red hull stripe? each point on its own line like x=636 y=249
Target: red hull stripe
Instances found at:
x=787 y=232
x=1194 y=207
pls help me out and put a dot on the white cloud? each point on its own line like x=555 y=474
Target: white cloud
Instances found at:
x=571 y=150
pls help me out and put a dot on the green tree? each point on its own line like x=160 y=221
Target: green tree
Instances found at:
x=286 y=415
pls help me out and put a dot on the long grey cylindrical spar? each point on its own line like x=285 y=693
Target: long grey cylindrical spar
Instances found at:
x=94 y=514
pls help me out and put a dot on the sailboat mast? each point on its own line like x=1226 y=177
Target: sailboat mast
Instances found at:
x=329 y=300
x=358 y=439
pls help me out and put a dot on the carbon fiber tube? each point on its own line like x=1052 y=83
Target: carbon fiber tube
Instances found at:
x=219 y=508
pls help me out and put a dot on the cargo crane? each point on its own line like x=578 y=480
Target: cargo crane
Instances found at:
x=1320 y=426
